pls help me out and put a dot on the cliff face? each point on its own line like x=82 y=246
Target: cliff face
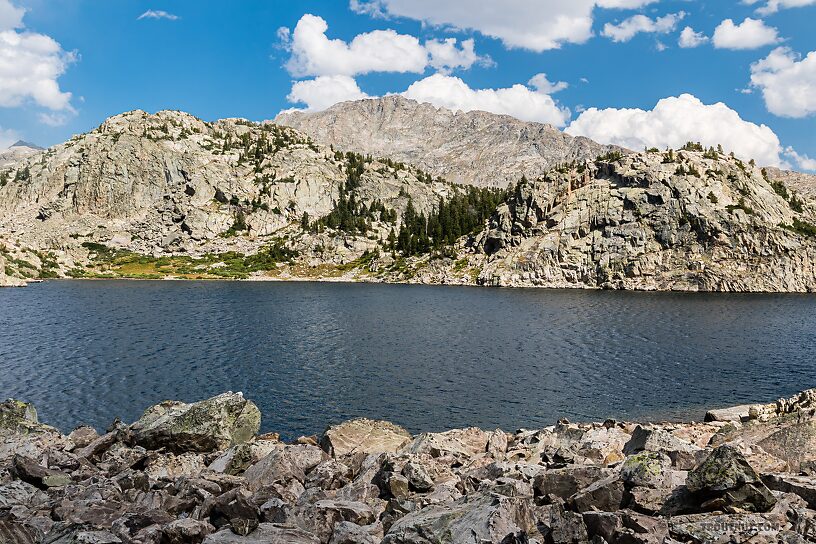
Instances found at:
x=476 y=147
x=168 y=195
x=651 y=221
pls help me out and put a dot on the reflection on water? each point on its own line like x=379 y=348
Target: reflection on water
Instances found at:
x=429 y=358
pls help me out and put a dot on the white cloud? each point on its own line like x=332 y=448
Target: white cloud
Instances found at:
x=325 y=91
x=803 y=162
x=626 y=30
x=775 y=5
x=519 y=101
x=788 y=84
x=157 y=14
x=11 y=16
x=537 y=25
x=54 y=119
x=750 y=34
x=314 y=54
x=543 y=85
x=689 y=38
x=31 y=64
x=677 y=120
x=445 y=56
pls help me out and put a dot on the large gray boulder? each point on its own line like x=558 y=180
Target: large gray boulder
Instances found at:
x=209 y=425
x=728 y=482
x=473 y=518
x=364 y=436
x=20 y=417
x=266 y=533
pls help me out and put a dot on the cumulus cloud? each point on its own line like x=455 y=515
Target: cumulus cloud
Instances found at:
x=519 y=100
x=445 y=56
x=157 y=14
x=689 y=38
x=543 y=85
x=772 y=6
x=30 y=69
x=11 y=16
x=750 y=34
x=626 y=30
x=677 y=120
x=325 y=91
x=787 y=82
x=315 y=54
x=537 y=25
x=803 y=162
x=31 y=64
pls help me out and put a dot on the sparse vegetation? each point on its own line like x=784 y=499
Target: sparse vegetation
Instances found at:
x=801 y=227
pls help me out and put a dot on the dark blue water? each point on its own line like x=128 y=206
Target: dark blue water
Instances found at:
x=429 y=358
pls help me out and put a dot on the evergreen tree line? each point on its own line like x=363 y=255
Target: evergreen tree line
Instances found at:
x=461 y=215
x=350 y=216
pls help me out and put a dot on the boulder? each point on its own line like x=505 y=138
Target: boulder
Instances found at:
x=30 y=471
x=474 y=518
x=727 y=481
x=20 y=417
x=646 y=469
x=266 y=533
x=209 y=425
x=418 y=478
x=733 y=413
x=458 y=442
x=186 y=531
x=803 y=486
x=567 y=481
x=753 y=528
x=606 y=495
x=364 y=436
x=349 y=533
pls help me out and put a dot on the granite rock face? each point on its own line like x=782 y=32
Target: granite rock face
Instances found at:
x=652 y=221
x=476 y=148
x=611 y=482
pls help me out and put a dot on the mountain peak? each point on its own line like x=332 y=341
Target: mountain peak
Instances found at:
x=473 y=147
x=23 y=143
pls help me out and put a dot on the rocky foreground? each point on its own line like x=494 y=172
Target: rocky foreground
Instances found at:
x=192 y=473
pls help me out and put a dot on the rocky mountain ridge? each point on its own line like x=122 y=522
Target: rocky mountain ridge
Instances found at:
x=169 y=195
x=476 y=148
x=193 y=473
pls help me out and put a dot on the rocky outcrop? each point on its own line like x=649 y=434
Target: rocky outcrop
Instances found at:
x=611 y=482
x=476 y=148
x=213 y=424
x=689 y=221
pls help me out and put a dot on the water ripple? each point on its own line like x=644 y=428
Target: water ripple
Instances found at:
x=426 y=357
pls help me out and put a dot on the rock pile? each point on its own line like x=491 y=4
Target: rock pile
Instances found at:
x=200 y=473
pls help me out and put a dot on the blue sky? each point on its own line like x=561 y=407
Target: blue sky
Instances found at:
x=231 y=59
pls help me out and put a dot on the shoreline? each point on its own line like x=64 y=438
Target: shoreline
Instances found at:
x=200 y=473
x=305 y=279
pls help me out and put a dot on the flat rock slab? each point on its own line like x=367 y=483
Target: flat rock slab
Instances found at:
x=364 y=435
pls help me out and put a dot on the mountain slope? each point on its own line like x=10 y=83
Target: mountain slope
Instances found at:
x=476 y=147
x=681 y=221
x=168 y=195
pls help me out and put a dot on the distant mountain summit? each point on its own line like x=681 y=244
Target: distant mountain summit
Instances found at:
x=23 y=143
x=476 y=147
